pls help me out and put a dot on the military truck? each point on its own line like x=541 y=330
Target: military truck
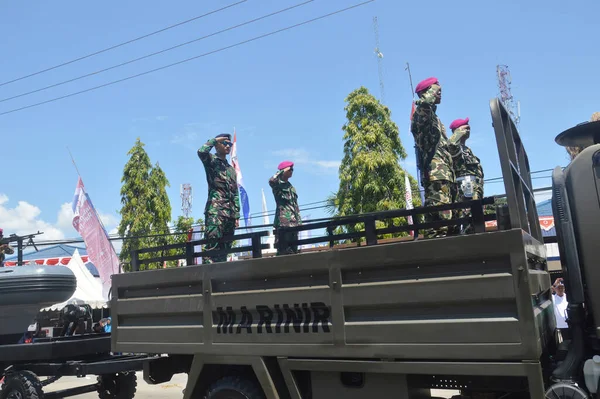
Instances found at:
x=471 y=313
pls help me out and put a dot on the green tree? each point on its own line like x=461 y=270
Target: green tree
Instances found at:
x=146 y=208
x=371 y=178
x=181 y=227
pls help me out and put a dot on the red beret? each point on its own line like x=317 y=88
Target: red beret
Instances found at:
x=458 y=123
x=425 y=84
x=285 y=164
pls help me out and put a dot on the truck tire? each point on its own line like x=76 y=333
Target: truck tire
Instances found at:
x=234 y=387
x=21 y=385
x=117 y=386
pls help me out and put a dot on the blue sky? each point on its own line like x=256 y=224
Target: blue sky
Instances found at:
x=284 y=94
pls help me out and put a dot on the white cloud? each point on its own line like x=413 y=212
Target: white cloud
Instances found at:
x=302 y=157
x=161 y=118
x=25 y=218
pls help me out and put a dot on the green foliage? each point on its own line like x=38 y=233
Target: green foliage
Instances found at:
x=181 y=228
x=371 y=178
x=491 y=209
x=146 y=209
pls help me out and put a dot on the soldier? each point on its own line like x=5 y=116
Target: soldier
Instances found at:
x=288 y=212
x=433 y=158
x=5 y=249
x=222 y=211
x=467 y=168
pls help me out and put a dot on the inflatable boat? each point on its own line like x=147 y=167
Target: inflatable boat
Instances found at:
x=24 y=290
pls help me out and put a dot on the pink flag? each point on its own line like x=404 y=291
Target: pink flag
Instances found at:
x=101 y=252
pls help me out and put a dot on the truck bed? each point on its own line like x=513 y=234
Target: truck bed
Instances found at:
x=478 y=297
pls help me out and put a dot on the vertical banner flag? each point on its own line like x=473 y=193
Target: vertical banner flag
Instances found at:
x=266 y=221
x=100 y=250
x=408 y=198
x=244 y=204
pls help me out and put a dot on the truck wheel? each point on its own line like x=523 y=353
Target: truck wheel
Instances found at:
x=234 y=387
x=21 y=385
x=117 y=386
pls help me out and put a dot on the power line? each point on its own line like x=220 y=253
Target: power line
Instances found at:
x=189 y=59
x=153 y=54
x=122 y=44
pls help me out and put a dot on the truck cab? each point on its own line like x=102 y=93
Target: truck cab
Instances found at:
x=471 y=313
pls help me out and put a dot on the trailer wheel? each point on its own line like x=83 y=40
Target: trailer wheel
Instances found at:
x=21 y=385
x=117 y=386
x=234 y=387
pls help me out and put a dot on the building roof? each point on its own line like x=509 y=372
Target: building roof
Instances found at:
x=544 y=208
x=57 y=251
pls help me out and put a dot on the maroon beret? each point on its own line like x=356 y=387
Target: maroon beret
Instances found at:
x=285 y=164
x=458 y=123
x=425 y=84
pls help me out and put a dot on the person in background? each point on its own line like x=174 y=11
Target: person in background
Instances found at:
x=107 y=326
x=5 y=249
x=574 y=151
x=560 y=307
x=287 y=213
x=222 y=211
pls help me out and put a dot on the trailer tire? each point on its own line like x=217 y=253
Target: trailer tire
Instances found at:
x=21 y=385
x=117 y=386
x=234 y=387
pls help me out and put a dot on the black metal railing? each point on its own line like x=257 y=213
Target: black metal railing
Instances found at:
x=190 y=254
x=370 y=233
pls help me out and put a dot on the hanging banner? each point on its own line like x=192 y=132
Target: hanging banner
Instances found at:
x=99 y=248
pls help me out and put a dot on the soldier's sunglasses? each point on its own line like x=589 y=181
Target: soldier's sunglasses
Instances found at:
x=227 y=143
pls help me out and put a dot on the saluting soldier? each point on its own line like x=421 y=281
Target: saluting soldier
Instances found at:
x=287 y=213
x=5 y=249
x=467 y=167
x=433 y=156
x=222 y=211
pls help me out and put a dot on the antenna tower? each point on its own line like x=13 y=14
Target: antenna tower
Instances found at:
x=186 y=199
x=506 y=97
x=379 y=55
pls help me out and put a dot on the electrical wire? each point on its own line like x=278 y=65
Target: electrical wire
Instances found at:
x=153 y=54
x=122 y=44
x=188 y=59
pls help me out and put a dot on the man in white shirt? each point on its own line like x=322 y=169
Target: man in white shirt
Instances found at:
x=560 y=307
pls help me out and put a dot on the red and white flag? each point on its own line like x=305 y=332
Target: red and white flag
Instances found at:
x=100 y=251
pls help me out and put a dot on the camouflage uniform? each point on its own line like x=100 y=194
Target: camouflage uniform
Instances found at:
x=5 y=249
x=466 y=164
x=223 y=204
x=287 y=213
x=434 y=160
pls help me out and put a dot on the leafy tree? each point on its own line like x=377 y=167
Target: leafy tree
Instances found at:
x=371 y=178
x=181 y=226
x=146 y=208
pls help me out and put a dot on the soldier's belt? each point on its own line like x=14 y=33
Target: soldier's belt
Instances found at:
x=471 y=178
